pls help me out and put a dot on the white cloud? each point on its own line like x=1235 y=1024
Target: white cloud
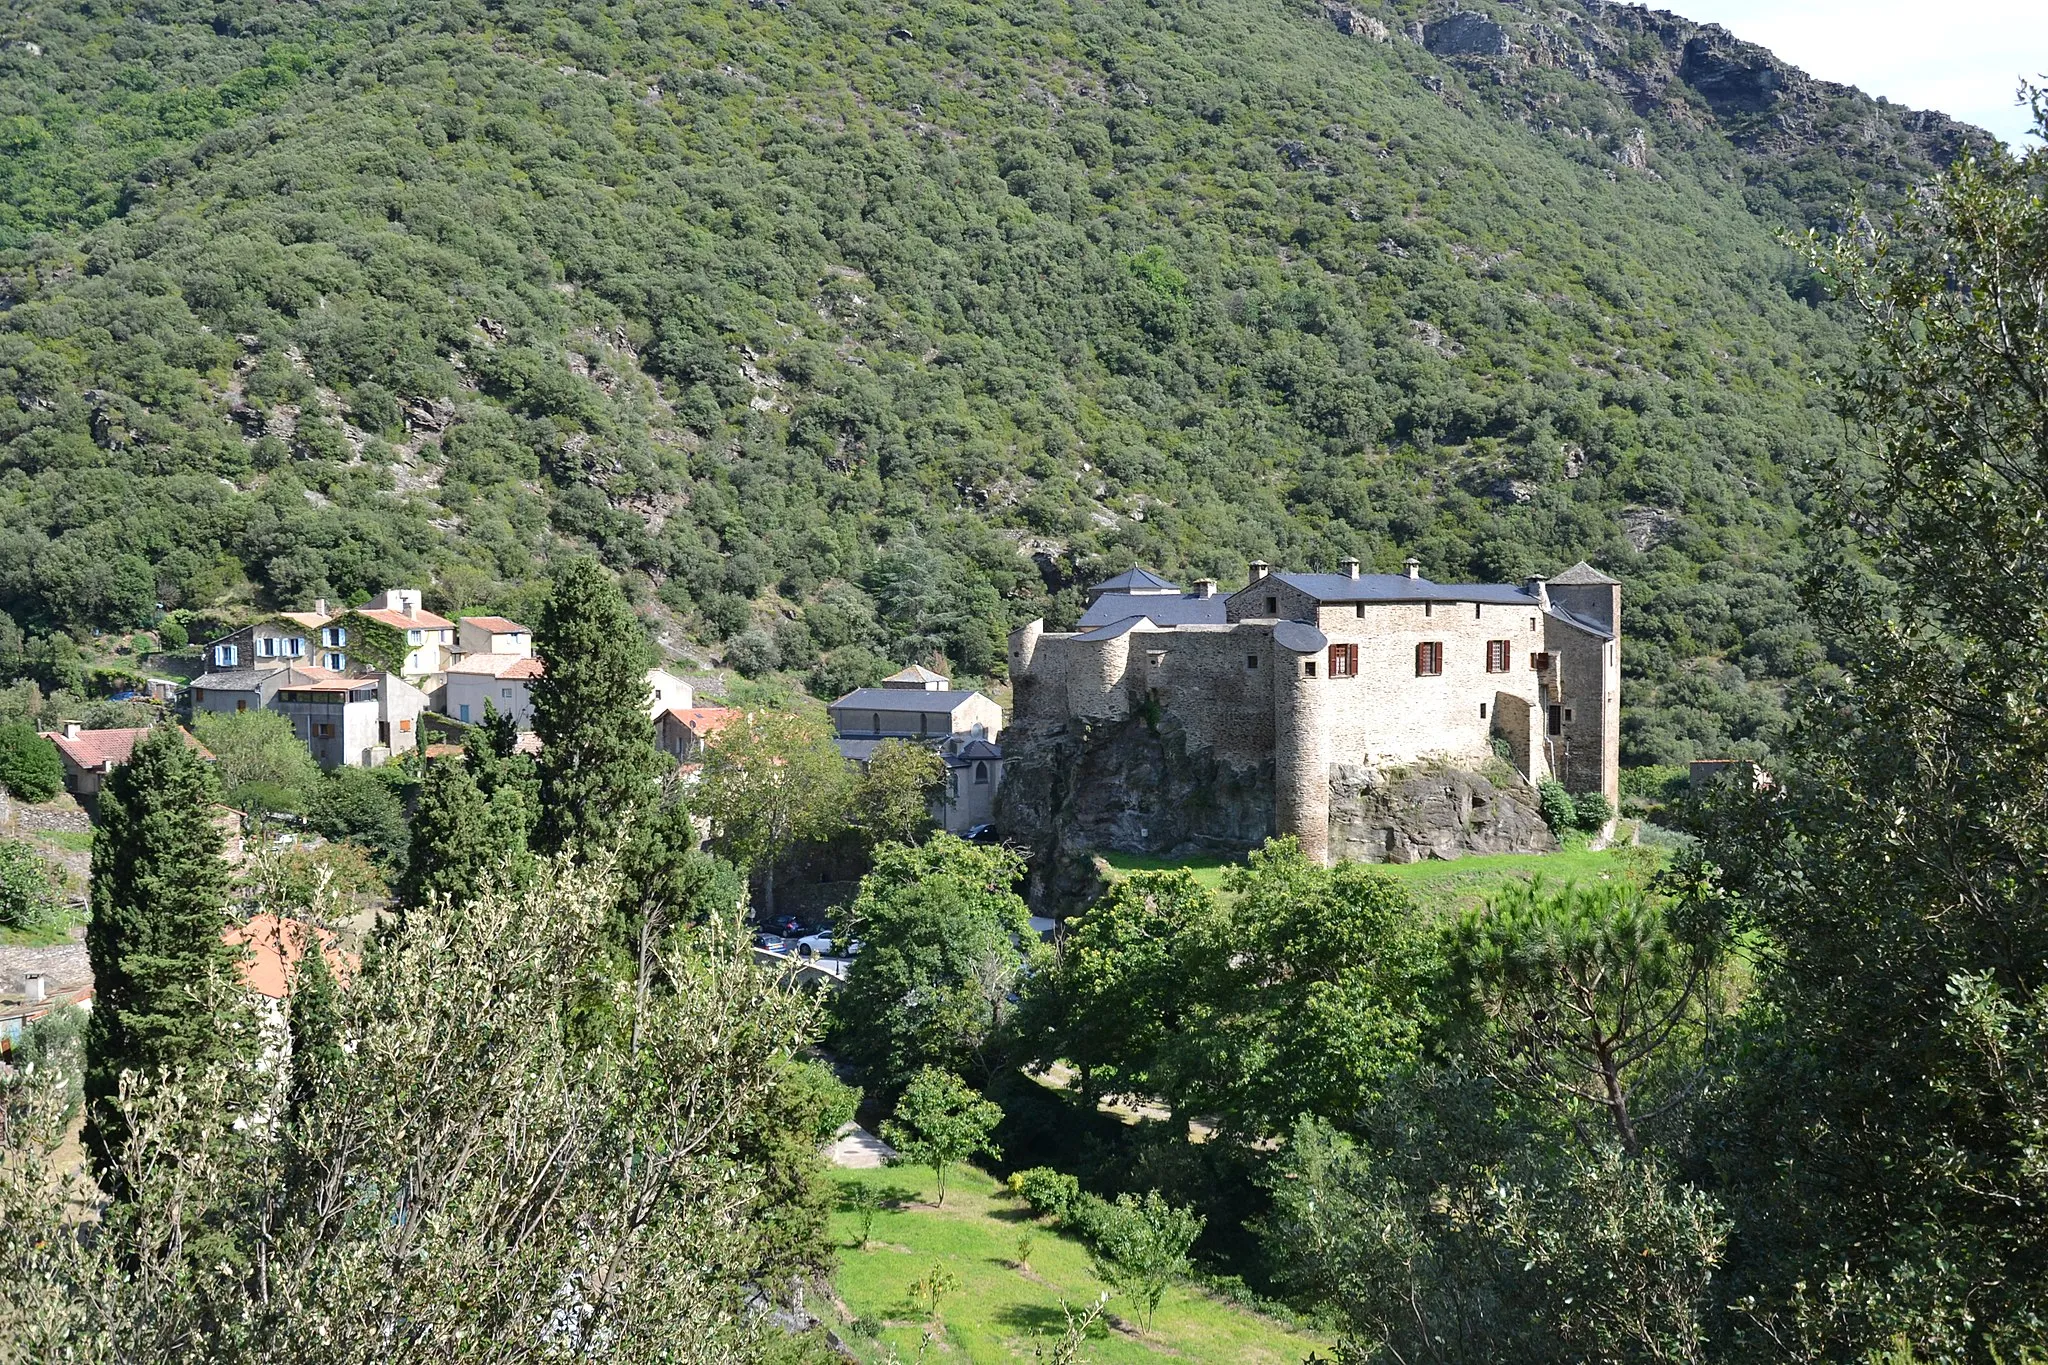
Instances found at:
x=1965 y=57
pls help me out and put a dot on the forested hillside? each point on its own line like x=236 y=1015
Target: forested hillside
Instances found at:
x=854 y=330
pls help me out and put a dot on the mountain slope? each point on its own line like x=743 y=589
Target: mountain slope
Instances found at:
x=865 y=329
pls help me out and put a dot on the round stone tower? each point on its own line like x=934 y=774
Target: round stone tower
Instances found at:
x=1301 y=738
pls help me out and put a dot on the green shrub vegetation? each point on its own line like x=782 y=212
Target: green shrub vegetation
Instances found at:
x=855 y=336
x=31 y=769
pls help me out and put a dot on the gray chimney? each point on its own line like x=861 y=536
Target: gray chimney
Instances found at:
x=1349 y=566
x=71 y=729
x=1539 y=588
x=32 y=986
x=1259 y=569
x=1205 y=587
x=1414 y=566
x=320 y=606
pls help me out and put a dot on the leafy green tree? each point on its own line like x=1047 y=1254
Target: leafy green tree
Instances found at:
x=1585 y=998
x=941 y=1121
x=30 y=767
x=370 y=1223
x=365 y=805
x=164 y=994
x=28 y=887
x=597 y=758
x=461 y=840
x=773 y=780
x=1896 y=866
x=944 y=938
x=797 y=1117
x=1141 y=1246
x=892 y=799
x=863 y=1201
x=262 y=763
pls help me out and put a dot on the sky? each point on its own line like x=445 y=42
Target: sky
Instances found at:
x=1963 y=57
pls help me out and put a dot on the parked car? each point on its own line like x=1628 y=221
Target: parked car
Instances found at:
x=788 y=926
x=820 y=944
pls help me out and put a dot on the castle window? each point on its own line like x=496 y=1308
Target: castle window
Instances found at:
x=875 y=722
x=1308 y=668
x=1540 y=662
x=1567 y=713
x=1478 y=609
x=1497 y=656
x=1156 y=658
x=1358 y=610
x=1251 y=661
x=1429 y=609
x=1482 y=710
x=1557 y=720
x=1343 y=661
x=1532 y=625
x=1429 y=658
x=981 y=774
x=1272 y=606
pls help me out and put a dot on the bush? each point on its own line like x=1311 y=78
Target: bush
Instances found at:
x=1052 y=1193
x=363 y=805
x=30 y=767
x=28 y=887
x=752 y=653
x=1591 y=811
x=1560 y=812
x=1655 y=782
x=171 y=633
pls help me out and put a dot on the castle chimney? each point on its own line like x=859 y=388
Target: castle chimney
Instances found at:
x=1205 y=587
x=1414 y=566
x=1260 y=568
x=1349 y=566
x=71 y=728
x=1539 y=588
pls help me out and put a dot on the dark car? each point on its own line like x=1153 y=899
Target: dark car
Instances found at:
x=788 y=926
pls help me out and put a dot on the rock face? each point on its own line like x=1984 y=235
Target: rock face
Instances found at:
x=1466 y=34
x=1446 y=813
x=1132 y=786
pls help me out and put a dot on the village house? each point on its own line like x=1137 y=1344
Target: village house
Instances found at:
x=1309 y=675
x=90 y=756
x=353 y=722
x=921 y=706
x=682 y=731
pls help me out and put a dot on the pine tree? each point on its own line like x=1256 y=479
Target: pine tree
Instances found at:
x=163 y=978
x=597 y=759
x=460 y=838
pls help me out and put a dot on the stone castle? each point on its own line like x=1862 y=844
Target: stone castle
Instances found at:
x=1301 y=683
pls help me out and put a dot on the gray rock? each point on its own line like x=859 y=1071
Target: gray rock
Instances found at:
x=1441 y=813
x=1466 y=34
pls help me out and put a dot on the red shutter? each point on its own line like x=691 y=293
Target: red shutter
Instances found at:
x=1422 y=661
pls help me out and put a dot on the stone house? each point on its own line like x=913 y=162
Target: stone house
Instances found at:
x=1297 y=681
x=506 y=682
x=353 y=722
x=683 y=730
x=476 y=635
x=90 y=756
x=920 y=705
x=429 y=640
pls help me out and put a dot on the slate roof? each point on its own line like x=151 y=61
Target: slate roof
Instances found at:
x=1583 y=574
x=1164 y=610
x=916 y=673
x=892 y=699
x=1395 y=587
x=1135 y=579
x=256 y=679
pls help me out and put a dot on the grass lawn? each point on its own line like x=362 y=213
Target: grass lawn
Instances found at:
x=1447 y=886
x=76 y=840
x=1000 y=1312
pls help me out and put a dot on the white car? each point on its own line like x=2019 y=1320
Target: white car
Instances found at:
x=820 y=945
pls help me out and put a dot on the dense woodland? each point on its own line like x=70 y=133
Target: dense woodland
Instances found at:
x=853 y=332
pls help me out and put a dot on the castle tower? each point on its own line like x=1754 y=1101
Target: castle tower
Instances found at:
x=1593 y=679
x=1301 y=738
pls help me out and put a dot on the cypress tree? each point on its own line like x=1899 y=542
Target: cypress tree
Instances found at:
x=314 y=1019
x=597 y=758
x=163 y=978
x=460 y=838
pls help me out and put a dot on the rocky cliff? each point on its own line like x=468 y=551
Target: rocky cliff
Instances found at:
x=1133 y=786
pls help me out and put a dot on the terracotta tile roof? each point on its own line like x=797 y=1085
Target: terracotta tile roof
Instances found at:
x=276 y=947
x=497 y=625
x=524 y=670
x=105 y=750
x=527 y=743
x=443 y=750
x=490 y=665
x=423 y=620
x=704 y=721
x=311 y=620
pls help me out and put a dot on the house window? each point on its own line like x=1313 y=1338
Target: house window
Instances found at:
x=1540 y=662
x=226 y=656
x=981 y=774
x=241 y=705
x=1343 y=661
x=1251 y=661
x=1308 y=668
x=1482 y=710
x=1478 y=610
x=335 y=663
x=1429 y=658
x=1557 y=720
x=923 y=722
x=1567 y=713
x=405 y=727
x=334 y=636
x=1497 y=656
x=462 y=712
x=265 y=647
x=1272 y=606
x=324 y=729
x=1428 y=609
x=295 y=647
x=384 y=732
x=1532 y=625
x=1358 y=610
x=505 y=692
x=413 y=637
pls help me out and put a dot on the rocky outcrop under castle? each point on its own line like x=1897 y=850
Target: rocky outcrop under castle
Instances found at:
x=1133 y=786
